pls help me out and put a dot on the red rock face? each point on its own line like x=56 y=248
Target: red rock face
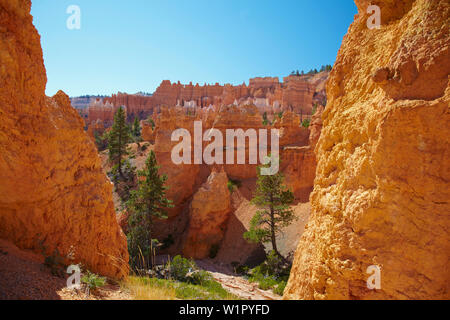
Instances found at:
x=136 y=105
x=52 y=187
x=298 y=95
x=298 y=165
x=295 y=94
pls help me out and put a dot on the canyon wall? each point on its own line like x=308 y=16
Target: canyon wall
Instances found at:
x=296 y=93
x=52 y=188
x=201 y=215
x=381 y=194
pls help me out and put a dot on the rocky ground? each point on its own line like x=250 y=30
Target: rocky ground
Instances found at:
x=23 y=276
x=234 y=284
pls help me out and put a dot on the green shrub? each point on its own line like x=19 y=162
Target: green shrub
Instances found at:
x=279 y=289
x=92 y=281
x=233 y=185
x=280 y=114
x=151 y=122
x=242 y=270
x=126 y=182
x=199 y=277
x=271 y=274
x=179 y=267
x=144 y=147
x=306 y=123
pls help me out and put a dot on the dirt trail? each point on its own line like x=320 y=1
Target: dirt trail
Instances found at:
x=234 y=284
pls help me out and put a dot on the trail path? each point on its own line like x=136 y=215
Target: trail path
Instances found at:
x=236 y=285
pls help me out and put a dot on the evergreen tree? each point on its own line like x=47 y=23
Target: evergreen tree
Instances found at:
x=273 y=200
x=136 y=129
x=118 y=138
x=265 y=119
x=151 y=122
x=100 y=141
x=147 y=202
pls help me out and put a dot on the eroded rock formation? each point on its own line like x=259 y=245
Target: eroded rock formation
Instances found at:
x=296 y=93
x=381 y=195
x=147 y=132
x=52 y=188
x=209 y=213
x=195 y=231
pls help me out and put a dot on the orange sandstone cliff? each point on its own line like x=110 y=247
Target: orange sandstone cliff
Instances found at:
x=52 y=188
x=381 y=194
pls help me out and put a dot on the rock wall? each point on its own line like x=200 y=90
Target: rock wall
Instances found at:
x=381 y=194
x=297 y=94
x=137 y=105
x=52 y=187
x=195 y=231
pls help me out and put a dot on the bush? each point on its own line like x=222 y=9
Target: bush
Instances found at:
x=306 y=123
x=151 y=122
x=185 y=270
x=179 y=267
x=233 y=184
x=199 y=277
x=101 y=141
x=92 y=281
x=123 y=185
x=271 y=274
x=144 y=147
x=279 y=289
x=280 y=114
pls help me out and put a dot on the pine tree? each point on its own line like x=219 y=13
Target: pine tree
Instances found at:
x=273 y=200
x=136 y=130
x=147 y=202
x=118 y=138
x=265 y=119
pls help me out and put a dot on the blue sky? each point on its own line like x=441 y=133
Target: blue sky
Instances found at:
x=133 y=45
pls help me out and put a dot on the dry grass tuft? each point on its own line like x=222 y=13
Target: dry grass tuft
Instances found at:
x=141 y=289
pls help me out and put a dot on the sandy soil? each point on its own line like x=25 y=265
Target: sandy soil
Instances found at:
x=23 y=276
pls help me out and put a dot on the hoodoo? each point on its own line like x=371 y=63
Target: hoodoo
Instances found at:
x=53 y=192
x=381 y=196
